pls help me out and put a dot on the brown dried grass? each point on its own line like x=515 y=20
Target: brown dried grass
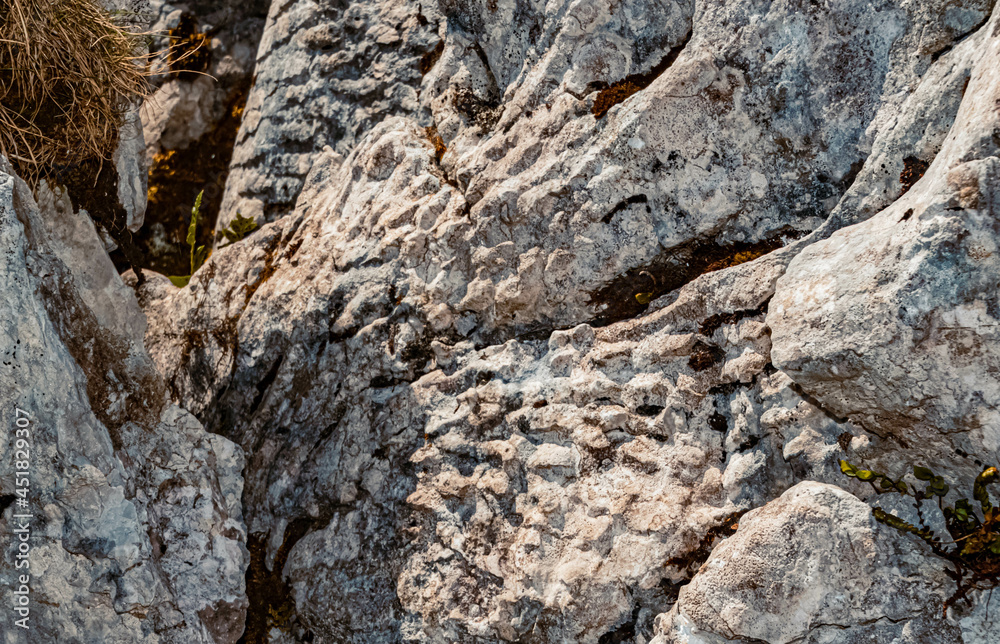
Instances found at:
x=68 y=75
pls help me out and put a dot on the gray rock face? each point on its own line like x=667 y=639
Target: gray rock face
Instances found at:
x=769 y=583
x=327 y=72
x=461 y=423
x=135 y=529
x=905 y=343
x=129 y=159
x=549 y=295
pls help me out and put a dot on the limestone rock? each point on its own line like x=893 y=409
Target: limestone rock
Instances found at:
x=770 y=583
x=136 y=533
x=327 y=73
x=905 y=341
x=500 y=362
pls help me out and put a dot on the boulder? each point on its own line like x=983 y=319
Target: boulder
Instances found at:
x=135 y=532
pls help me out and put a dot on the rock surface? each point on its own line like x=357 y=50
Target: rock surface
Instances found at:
x=462 y=424
x=136 y=533
x=326 y=73
x=769 y=583
x=559 y=321
x=907 y=343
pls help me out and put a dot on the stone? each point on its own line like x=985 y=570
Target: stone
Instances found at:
x=769 y=583
x=905 y=343
x=524 y=330
x=326 y=74
x=461 y=423
x=135 y=530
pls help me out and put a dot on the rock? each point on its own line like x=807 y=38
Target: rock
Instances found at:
x=382 y=383
x=135 y=529
x=128 y=155
x=813 y=565
x=189 y=103
x=326 y=74
x=132 y=180
x=516 y=346
x=905 y=342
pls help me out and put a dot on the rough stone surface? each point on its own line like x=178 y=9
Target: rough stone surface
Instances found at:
x=447 y=441
x=769 y=583
x=561 y=318
x=906 y=342
x=135 y=529
x=326 y=73
x=128 y=156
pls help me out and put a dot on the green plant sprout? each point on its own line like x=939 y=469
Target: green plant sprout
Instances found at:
x=198 y=253
x=974 y=548
x=238 y=228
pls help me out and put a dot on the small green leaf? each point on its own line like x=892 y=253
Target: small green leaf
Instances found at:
x=643 y=298
x=192 y=230
x=180 y=281
x=922 y=473
x=847 y=468
x=901 y=487
x=199 y=257
x=239 y=228
x=197 y=205
x=242 y=226
x=866 y=475
x=885 y=483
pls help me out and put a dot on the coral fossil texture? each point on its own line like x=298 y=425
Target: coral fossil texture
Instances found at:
x=559 y=320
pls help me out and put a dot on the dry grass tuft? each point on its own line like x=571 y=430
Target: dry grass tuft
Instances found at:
x=68 y=74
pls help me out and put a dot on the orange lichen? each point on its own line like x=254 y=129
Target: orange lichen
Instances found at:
x=190 y=52
x=428 y=60
x=439 y=147
x=615 y=93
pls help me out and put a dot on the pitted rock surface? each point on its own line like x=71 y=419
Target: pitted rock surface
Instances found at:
x=559 y=320
x=462 y=424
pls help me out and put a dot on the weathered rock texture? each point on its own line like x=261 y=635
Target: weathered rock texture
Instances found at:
x=136 y=533
x=565 y=313
x=326 y=73
x=770 y=583
x=463 y=425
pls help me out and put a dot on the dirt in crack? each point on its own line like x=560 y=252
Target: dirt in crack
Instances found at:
x=615 y=93
x=269 y=595
x=175 y=179
x=629 y=294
